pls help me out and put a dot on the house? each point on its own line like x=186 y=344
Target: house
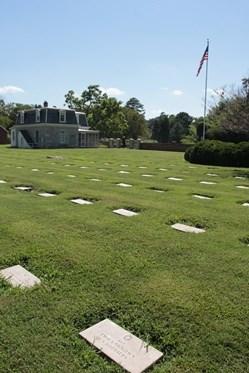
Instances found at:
x=3 y=136
x=50 y=127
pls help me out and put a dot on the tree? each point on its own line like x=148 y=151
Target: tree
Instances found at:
x=228 y=120
x=160 y=128
x=136 y=124
x=103 y=113
x=180 y=126
x=8 y=112
x=134 y=104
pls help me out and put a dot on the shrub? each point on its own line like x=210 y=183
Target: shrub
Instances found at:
x=219 y=153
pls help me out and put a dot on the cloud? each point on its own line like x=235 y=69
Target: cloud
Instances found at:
x=10 y=90
x=112 y=92
x=177 y=92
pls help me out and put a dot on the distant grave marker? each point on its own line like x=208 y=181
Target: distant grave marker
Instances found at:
x=83 y=167
x=102 y=169
x=124 y=185
x=147 y=175
x=175 y=178
x=124 y=165
x=240 y=177
x=67 y=165
x=95 y=179
x=24 y=188
x=142 y=167
x=35 y=169
x=246 y=204
x=212 y=175
x=125 y=212
x=127 y=350
x=163 y=169
x=71 y=175
x=187 y=228
x=45 y=194
x=207 y=182
x=242 y=187
x=19 y=276
x=50 y=173
x=81 y=201
x=200 y=196
x=3 y=182
x=123 y=172
x=19 y=167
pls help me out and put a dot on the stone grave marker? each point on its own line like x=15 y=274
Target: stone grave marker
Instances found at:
x=246 y=204
x=123 y=172
x=147 y=175
x=95 y=179
x=187 y=228
x=240 y=177
x=142 y=167
x=124 y=185
x=175 y=178
x=24 y=188
x=35 y=169
x=200 y=196
x=83 y=167
x=124 y=165
x=207 y=182
x=50 y=173
x=81 y=201
x=71 y=176
x=3 y=182
x=130 y=352
x=19 y=276
x=125 y=212
x=45 y=194
x=163 y=169
x=212 y=175
x=242 y=187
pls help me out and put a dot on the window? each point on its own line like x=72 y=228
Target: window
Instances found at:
x=62 y=116
x=21 y=116
x=62 y=137
x=37 y=115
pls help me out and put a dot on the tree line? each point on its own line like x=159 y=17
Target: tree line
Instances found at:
x=227 y=119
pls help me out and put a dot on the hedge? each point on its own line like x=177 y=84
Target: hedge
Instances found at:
x=219 y=153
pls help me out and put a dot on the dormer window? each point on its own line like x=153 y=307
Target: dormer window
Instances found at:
x=37 y=115
x=62 y=116
x=21 y=117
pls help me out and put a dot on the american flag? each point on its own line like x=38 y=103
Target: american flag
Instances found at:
x=204 y=58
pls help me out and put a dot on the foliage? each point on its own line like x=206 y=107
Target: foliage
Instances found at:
x=219 y=153
x=136 y=124
x=8 y=112
x=134 y=104
x=160 y=128
x=229 y=118
x=195 y=131
x=103 y=113
x=179 y=126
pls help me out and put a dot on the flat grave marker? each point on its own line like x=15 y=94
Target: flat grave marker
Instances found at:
x=246 y=204
x=50 y=173
x=163 y=169
x=200 y=196
x=242 y=187
x=212 y=175
x=35 y=169
x=3 y=182
x=187 y=228
x=83 y=167
x=208 y=182
x=123 y=172
x=147 y=175
x=45 y=194
x=130 y=352
x=175 y=178
x=24 y=188
x=124 y=165
x=124 y=185
x=125 y=212
x=142 y=167
x=240 y=177
x=19 y=276
x=81 y=201
x=71 y=176
x=95 y=179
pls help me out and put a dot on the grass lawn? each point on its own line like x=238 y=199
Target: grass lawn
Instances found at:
x=186 y=294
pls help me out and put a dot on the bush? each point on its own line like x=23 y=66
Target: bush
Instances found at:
x=219 y=153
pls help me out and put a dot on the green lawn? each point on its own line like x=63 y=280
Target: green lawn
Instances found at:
x=186 y=294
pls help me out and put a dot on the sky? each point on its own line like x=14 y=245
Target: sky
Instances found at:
x=149 y=49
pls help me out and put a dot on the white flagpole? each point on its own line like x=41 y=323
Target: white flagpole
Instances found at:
x=205 y=99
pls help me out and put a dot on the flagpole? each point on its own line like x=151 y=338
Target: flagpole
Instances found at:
x=205 y=99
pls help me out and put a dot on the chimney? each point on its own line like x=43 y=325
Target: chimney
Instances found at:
x=45 y=104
